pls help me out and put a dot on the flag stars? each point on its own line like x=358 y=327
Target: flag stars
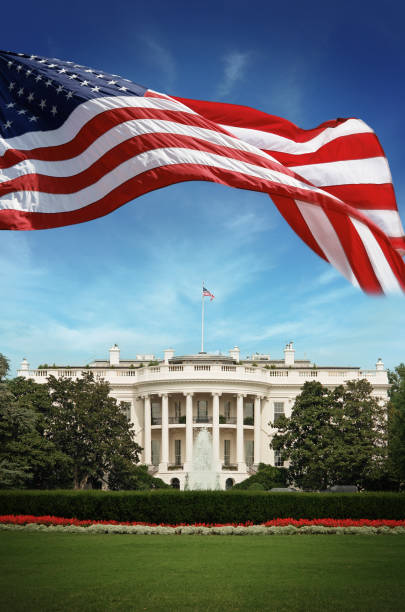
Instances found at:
x=7 y=124
x=32 y=57
x=59 y=89
x=54 y=110
x=112 y=83
x=33 y=118
x=42 y=104
x=28 y=72
x=73 y=76
x=38 y=78
x=62 y=70
x=19 y=68
x=9 y=64
x=22 y=112
x=89 y=70
x=52 y=66
x=69 y=95
x=11 y=86
x=96 y=89
x=30 y=97
x=42 y=61
x=20 y=91
x=99 y=76
x=123 y=89
x=48 y=83
x=84 y=83
x=10 y=105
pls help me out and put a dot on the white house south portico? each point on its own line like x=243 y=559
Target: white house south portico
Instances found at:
x=170 y=400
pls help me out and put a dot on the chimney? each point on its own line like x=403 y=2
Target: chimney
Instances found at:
x=235 y=353
x=168 y=353
x=289 y=354
x=25 y=365
x=114 y=355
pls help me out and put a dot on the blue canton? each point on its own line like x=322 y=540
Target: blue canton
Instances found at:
x=37 y=93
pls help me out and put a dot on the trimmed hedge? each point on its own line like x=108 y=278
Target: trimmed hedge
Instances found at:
x=174 y=507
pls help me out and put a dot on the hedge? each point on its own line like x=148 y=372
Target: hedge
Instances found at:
x=174 y=507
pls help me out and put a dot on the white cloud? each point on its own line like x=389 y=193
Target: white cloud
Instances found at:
x=235 y=64
x=162 y=58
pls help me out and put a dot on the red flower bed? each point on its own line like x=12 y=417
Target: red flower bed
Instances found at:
x=24 y=519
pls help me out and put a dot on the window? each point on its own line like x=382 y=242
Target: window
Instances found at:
x=228 y=409
x=175 y=483
x=277 y=459
x=155 y=452
x=278 y=411
x=177 y=409
x=229 y=483
x=177 y=452
x=249 y=454
x=248 y=412
x=227 y=452
x=202 y=411
x=126 y=409
x=156 y=418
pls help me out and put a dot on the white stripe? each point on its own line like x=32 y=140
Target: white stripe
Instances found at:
x=377 y=258
x=35 y=201
x=325 y=235
x=373 y=170
x=81 y=115
x=273 y=142
x=388 y=220
x=117 y=135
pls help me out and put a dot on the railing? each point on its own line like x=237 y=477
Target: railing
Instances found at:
x=202 y=419
x=227 y=420
x=178 y=368
x=175 y=466
x=278 y=372
x=308 y=373
x=177 y=420
x=156 y=420
x=228 y=368
x=230 y=466
x=202 y=368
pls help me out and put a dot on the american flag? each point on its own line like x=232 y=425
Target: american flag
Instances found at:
x=207 y=293
x=76 y=143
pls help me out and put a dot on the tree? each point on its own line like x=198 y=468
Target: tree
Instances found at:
x=90 y=427
x=125 y=475
x=333 y=436
x=396 y=439
x=267 y=476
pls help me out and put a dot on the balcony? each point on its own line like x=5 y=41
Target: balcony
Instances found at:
x=156 y=420
x=230 y=466
x=177 y=420
x=223 y=420
x=172 y=467
x=202 y=419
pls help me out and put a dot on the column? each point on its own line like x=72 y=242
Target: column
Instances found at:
x=147 y=432
x=256 y=435
x=164 y=459
x=240 y=455
x=215 y=430
x=189 y=432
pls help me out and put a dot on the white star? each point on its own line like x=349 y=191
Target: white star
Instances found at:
x=42 y=104
x=48 y=82
x=20 y=91
x=11 y=105
x=43 y=61
x=11 y=86
x=89 y=70
x=33 y=118
x=38 y=78
x=84 y=83
x=52 y=66
x=112 y=83
x=77 y=66
x=20 y=54
x=59 y=89
x=22 y=112
x=54 y=110
x=96 y=89
x=30 y=97
x=122 y=89
x=9 y=64
x=73 y=76
x=19 y=68
x=69 y=95
x=99 y=76
x=61 y=70
x=68 y=62
x=7 y=124
x=32 y=57
x=28 y=72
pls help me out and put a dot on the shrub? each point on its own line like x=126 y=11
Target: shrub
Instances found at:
x=268 y=476
x=174 y=507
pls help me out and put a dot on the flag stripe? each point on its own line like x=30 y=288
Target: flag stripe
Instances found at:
x=352 y=172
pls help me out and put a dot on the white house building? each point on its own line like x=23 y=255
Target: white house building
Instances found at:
x=170 y=399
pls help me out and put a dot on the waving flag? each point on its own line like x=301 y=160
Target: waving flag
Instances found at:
x=207 y=293
x=77 y=143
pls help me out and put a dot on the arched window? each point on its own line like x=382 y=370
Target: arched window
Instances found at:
x=229 y=483
x=175 y=483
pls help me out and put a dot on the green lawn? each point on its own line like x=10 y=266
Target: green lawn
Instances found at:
x=40 y=571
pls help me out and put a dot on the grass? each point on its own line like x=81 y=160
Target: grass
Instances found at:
x=40 y=572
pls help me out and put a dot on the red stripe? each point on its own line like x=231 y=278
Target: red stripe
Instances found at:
x=244 y=116
x=352 y=146
x=394 y=260
x=123 y=152
x=354 y=251
x=366 y=196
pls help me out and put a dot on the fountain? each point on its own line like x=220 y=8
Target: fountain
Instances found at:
x=203 y=473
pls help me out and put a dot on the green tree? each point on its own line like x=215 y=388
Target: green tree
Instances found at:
x=90 y=427
x=267 y=476
x=333 y=436
x=396 y=443
x=125 y=475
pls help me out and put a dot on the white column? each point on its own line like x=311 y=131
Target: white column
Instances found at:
x=164 y=459
x=189 y=431
x=240 y=454
x=215 y=429
x=147 y=432
x=256 y=435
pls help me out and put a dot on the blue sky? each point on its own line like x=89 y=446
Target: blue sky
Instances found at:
x=134 y=277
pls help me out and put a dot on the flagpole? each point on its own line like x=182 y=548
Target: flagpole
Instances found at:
x=202 y=318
